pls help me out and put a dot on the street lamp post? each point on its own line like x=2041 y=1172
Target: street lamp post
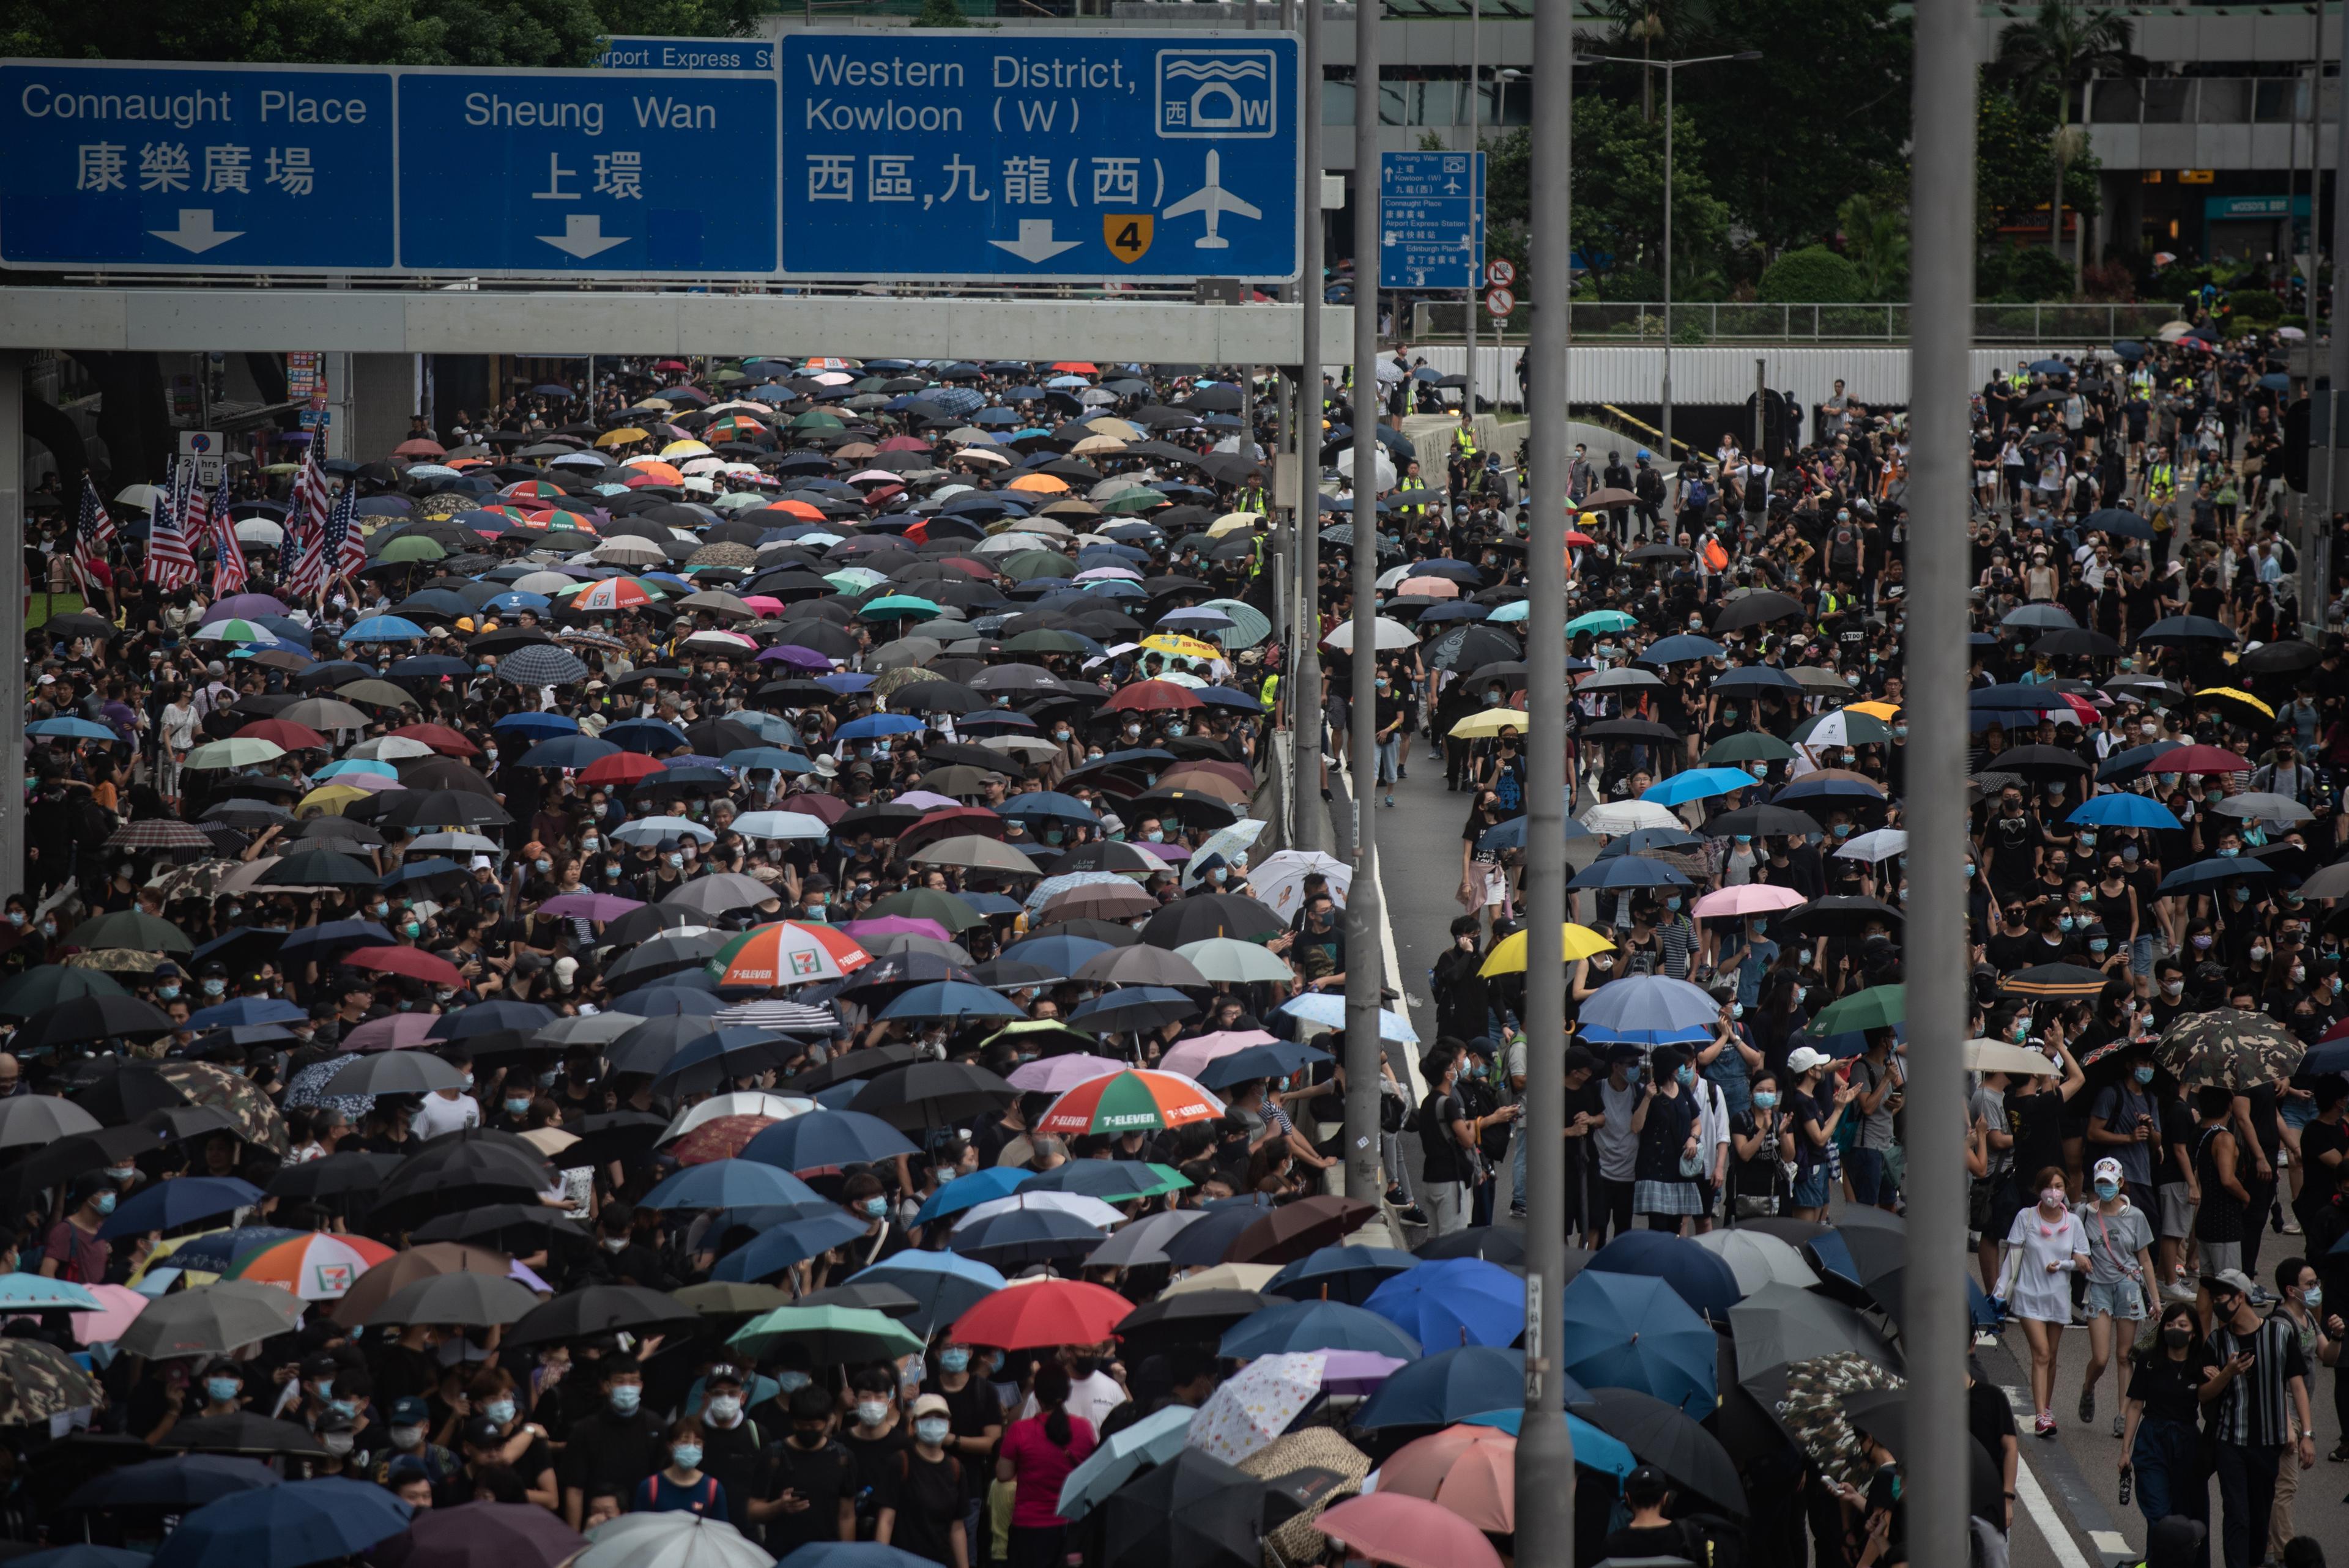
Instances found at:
x=1668 y=68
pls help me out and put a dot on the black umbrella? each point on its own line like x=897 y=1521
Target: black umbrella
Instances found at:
x=1759 y=822
x=1196 y=1511
x=928 y=1094
x=2039 y=761
x=1838 y=916
x=1196 y=919
x=349 y=1171
x=849 y=1065
x=532 y=1226
x=460 y=1174
x=1756 y=609
x=1187 y=1318
x=598 y=1310
x=242 y=1433
x=132 y=1092
x=473 y=1300
x=1486 y=1242
x=1661 y=1435
x=86 y=1019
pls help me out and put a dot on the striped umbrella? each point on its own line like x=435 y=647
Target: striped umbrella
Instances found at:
x=786 y=952
x=541 y=665
x=615 y=594
x=316 y=1267
x=1130 y=1102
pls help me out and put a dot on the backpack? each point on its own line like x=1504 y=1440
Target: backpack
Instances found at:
x=1507 y=791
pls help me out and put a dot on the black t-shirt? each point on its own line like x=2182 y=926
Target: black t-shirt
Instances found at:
x=2321 y=1182
x=971 y=1410
x=2036 y=1120
x=1760 y=1176
x=732 y=1455
x=1439 y=1154
x=2170 y=1389
x=608 y=1452
x=928 y=1497
x=822 y=1476
x=2178 y=1132
x=875 y=1464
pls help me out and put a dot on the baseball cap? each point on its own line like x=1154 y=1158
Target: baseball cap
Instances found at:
x=480 y=1432
x=1803 y=1058
x=409 y=1410
x=2235 y=1280
x=930 y=1405
x=2107 y=1169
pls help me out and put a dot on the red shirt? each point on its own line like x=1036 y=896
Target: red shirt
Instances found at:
x=1040 y=1466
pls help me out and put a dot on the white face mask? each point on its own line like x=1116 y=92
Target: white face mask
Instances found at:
x=724 y=1408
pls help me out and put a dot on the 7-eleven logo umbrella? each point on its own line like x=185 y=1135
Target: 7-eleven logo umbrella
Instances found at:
x=1130 y=1102
x=787 y=952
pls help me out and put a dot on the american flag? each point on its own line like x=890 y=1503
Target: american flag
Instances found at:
x=229 y=575
x=345 y=551
x=306 y=528
x=169 y=564
x=93 y=532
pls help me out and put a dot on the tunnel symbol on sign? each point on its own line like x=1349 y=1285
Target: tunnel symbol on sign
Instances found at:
x=1218 y=93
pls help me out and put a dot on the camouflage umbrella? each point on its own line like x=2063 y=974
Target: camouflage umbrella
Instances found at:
x=38 y=1381
x=201 y=880
x=2227 y=1046
x=121 y=960
x=257 y=1120
x=304 y=1090
x=1812 y=1412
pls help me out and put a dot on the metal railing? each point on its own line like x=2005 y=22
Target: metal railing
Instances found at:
x=1695 y=323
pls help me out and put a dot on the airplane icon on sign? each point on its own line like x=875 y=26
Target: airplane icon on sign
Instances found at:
x=1214 y=201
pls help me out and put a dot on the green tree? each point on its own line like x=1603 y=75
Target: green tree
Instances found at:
x=1812 y=276
x=1619 y=194
x=521 y=32
x=1876 y=240
x=941 y=14
x=2013 y=153
x=2055 y=52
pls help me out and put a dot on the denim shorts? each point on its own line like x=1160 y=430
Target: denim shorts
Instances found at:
x=2141 y=955
x=2120 y=1299
x=1811 y=1188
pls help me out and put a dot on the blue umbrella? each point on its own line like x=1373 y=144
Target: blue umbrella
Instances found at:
x=2017 y=699
x=1134 y=1007
x=808 y=1145
x=421 y=871
x=1699 y=1277
x=649 y=736
x=772 y=759
x=1027 y=1237
x=81 y=1556
x=320 y=938
x=247 y=1010
x=1204 y=1243
x=2186 y=629
x=38 y=1293
x=1698 y=784
x=812 y=1229
x=167 y=1205
x=978 y=1187
x=567 y=751
x=1340 y=1274
x=1651 y=1009
x=181 y=1483
x=1511 y=834
x=1303 y=1326
x=1044 y=804
x=1593 y=1449
x=1681 y=649
x=1111 y=1181
x=1061 y=955
x=384 y=629
x=878 y=725
x=949 y=999
x=2122 y=767
x=1452 y=1385
x=1152 y=1440
x=536 y=725
x=2120 y=523
x=1629 y=870
x=285 y=1526
x=1629 y=1331
x=2213 y=872
x=1457 y=1301
x=2124 y=810
x=70 y=730
x=1276 y=1061
x=945 y=1284
x=728 y=1184
x=212 y=1253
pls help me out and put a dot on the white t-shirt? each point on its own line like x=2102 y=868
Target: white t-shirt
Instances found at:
x=440 y=1114
x=1089 y=1398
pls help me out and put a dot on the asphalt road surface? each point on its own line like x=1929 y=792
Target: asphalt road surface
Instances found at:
x=2068 y=1514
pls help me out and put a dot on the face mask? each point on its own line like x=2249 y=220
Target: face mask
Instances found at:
x=724 y=1408
x=407 y=1436
x=498 y=1410
x=875 y=1207
x=871 y=1412
x=2171 y=989
x=411 y=930
x=791 y=1382
x=2176 y=1338
x=222 y=1390
x=2107 y=1191
x=2299 y=973
x=2051 y=1197
x=2063 y=922
x=1684 y=1076
x=166 y=993
x=518 y=1107
x=1673 y=903
x=2142 y=1074
x=612 y=873
x=1805 y=956
x=2259 y=953
x=2201 y=942
x=687 y=1456
x=379 y=910
x=339 y=1444
x=590 y=844
x=624 y=1398
x=2098 y=944
x=616 y=1243
x=2313 y=1296
x=932 y=1430
x=344 y=1406
x=956 y=1360
x=105 y=1204
x=214 y=988
x=677 y=859
x=1766 y=1099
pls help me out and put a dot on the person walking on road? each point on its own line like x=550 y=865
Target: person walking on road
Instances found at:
x=2252 y=1395
x=2161 y=1441
x=2045 y=1243
x=2120 y=1264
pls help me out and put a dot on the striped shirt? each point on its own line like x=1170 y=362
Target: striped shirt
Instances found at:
x=2256 y=1410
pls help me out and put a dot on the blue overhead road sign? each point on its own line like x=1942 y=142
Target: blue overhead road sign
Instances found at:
x=595 y=171
x=1430 y=220
x=195 y=168
x=1018 y=156
x=687 y=55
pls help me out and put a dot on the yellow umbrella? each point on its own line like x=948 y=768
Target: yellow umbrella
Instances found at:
x=1484 y=725
x=162 y=1258
x=1886 y=711
x=329 y=799
x=2231 y=694
x=1094 y=445
x=1233 y=522
x=1181 y=647
x=1110 y=425
x=1050 y=484
x=687 y=449
x=623 y=435
x=1508 y=954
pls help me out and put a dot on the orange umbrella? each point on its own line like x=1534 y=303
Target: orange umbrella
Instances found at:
x=1407 y=1532
x=1428 y=588
x=1050 y=484
x=796 y=509
x=663 y=473
x=1472 y=1470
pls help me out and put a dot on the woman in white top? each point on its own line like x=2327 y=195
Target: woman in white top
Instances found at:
x=180 y=721
x=2044 y=1246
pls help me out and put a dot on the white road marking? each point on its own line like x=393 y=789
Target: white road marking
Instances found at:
x=2043 y=1517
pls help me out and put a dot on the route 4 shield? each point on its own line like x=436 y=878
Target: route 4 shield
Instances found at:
x=1128 y=235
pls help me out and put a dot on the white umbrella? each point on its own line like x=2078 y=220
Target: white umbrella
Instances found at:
x=1384 y=634
x=1382 y=469
x=390 y=748
x=1233 y=962
x=780 y=825
x=675 y=1540
x=1279 y=879
x=471 y=842
x=1876 y=847
x=259 y=531
x=1614 y=818
x=2265 y=807
x=1832 y=729
x=1390 y=371
x=1257 y=1403
x=1327 y=1010
x=2005 y=1056
x=1758 y=1258
x=744 y=1103
x=1082 y=1205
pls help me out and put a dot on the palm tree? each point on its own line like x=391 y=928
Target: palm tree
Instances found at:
x=1876 y=237
x=2060 y=47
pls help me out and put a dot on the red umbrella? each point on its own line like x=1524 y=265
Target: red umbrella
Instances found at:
x=903 y=444
x=2198 y=760
x=620 y=767
x=946 y=822
x=440 y=738
x=412 y=962
x=481 y=1535
x=720 y=1137
x=420 y=448
x=287 y=733
x=831 y=808
x=1050 y=1312
x=1153 y=696
x=1407 y=1532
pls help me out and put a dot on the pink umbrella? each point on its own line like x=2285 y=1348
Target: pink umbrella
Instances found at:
x=1188 y=1056
x=1749 y=898
x=373 y=783
x=765 y=603
x=1058 y=1075
x=1428 y=588
x=122 y=1305
x=1357 y=1371
x=1408 y=1533
x=595 y=906
x=896 y=925
x=390 y=1033
x=927 y=799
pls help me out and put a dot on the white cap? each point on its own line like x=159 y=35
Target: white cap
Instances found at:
x=2107 y=1169
x=1803 y=1058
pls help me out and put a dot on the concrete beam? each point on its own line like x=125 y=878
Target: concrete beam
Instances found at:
x=465 y=321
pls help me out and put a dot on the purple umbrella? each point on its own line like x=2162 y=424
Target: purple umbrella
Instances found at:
x=896 y=925
x=243 y=607
x=392 y=1032
x=1357 y=1371
x=792 y=654
x=595 y=906
x=1058 y=1075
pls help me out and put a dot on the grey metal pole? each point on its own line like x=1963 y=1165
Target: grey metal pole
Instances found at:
x=1545 y=1449
x=1365 y=909
x=1304 y=679
x=1475 y=128
x=12 y=617
x=1672 y=76
x=2315 y=568
x=1935 y=650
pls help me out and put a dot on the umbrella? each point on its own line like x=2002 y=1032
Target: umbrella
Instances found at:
x=1672 y=1441
x=1632 y=1331
x=830 y=1334
x=1756 y=1259
x=167 y=1205
x=1257 y=1403
x=1123 y=1454
x=944 y=1285
x=180 y=1484
x=600 y=1309
x=1456 y=1302
x=1407 y=1532
x=282 y=1526
x=1346 y=1273
x=242 y=1433
x=1196 y=1511
x=1471 y=1470
x=40 y=1382
x=674 y=1539
x=1049 y=1313
x=1451 y=1385
x=2226 y=1045
x=1289 y=1326
x=214 y=1318
x=485 y=1535
x=473 y=1300
x=1649 y=1010
x=404 y=1268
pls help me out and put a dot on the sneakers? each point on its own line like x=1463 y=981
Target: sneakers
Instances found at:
x=2046 y=1425
x=1397 y=1197
x=1517 y=1211
x=2087 y=1405
x=1414 y=1215
x=2120 y=1425
x=1390 y=799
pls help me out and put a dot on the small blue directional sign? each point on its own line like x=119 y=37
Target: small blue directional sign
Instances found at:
x=592 y=171
x=1430 y=220
x=687 y=55
x=195 y=168
x=1016 y=156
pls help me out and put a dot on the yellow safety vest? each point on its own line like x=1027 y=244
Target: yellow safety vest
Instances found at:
x=2020 y=381
x=1463 y=441
x=2160 y=478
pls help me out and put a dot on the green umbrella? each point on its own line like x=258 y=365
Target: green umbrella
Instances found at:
x=830 y=1334
x=236 y=751
x=818 y=419
x=1601 y=621
x=1750 y=746
x=130 y=928
x=1133 y=503
x=1022 y=565
x=1248 y=625
x=898 y=607
x=236 y=631
x=412 y=547
x=928 y=903
x=729 y=1298
x=36 y=990
x=1877 y=1007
